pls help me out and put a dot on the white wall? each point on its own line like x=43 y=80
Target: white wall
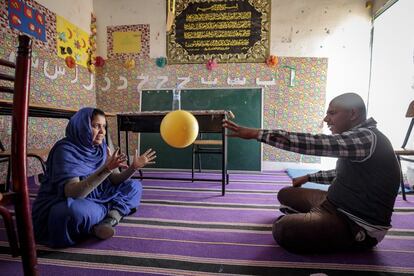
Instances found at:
x=336 y=29
x=339 y=30
x=132 y=12
x=392 y=86
x=77 y=12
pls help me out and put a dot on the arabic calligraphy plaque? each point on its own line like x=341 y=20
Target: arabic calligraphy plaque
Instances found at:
x=229 y=31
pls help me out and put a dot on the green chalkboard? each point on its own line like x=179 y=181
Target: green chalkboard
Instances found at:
x=246 y=104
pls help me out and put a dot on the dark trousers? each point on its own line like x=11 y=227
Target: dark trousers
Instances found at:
x=317 y=227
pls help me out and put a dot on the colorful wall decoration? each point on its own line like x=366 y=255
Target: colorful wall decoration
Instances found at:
x=228 y=31
x=128 y=41
x=71 y=41
x=27 y=19
x=49 y=43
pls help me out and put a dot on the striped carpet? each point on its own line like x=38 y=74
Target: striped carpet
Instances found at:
x=184 y=228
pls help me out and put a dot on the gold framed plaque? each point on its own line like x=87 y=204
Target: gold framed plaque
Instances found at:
x=228 y=31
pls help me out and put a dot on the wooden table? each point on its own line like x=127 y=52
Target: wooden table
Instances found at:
x=209 y=121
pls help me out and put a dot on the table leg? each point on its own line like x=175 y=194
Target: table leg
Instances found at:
x=224 y=162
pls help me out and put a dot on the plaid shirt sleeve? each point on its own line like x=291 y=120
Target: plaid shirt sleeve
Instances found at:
x=355 y=144
x=324 y=177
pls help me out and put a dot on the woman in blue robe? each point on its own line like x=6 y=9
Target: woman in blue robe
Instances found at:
x=83 y=192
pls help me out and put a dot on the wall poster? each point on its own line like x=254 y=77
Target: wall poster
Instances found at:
x=128 y=41
x=72 y=41
x=27 y=19
x=228 y=31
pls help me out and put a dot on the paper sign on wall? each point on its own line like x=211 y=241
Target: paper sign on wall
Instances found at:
x=126 y=42
x=71 y=41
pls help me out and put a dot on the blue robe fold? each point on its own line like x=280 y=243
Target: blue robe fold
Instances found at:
x=60 y=221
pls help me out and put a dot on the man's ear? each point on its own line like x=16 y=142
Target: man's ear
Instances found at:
x=354 y=114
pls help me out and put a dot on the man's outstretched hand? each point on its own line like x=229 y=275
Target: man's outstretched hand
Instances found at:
x=240 y=131
x=299 y=181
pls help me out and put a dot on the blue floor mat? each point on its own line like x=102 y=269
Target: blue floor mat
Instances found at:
x=311 y=185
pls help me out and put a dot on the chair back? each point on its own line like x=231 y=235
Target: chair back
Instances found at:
x=409 y=114
x=410 y=110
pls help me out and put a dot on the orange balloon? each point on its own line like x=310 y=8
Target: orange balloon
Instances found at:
x=179 y=128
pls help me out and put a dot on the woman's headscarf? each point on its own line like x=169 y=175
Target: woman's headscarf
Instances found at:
x=75 y=155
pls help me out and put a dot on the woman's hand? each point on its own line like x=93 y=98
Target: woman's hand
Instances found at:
x=145 y=159
x=299 y=181
x=239 y=131
x=115 y=160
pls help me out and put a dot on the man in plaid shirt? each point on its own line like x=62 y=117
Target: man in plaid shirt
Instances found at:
x=355 y=212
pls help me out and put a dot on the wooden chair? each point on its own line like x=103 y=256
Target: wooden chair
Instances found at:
x=5 y=159
x=19 y=197
x=403 y=151
x=39 y=154
x=207 y=146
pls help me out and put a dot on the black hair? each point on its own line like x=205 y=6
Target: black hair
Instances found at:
x=97 y=112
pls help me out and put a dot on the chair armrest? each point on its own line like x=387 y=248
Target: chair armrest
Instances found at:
x=404 y=151
x=6 y=198
x=39 y=153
